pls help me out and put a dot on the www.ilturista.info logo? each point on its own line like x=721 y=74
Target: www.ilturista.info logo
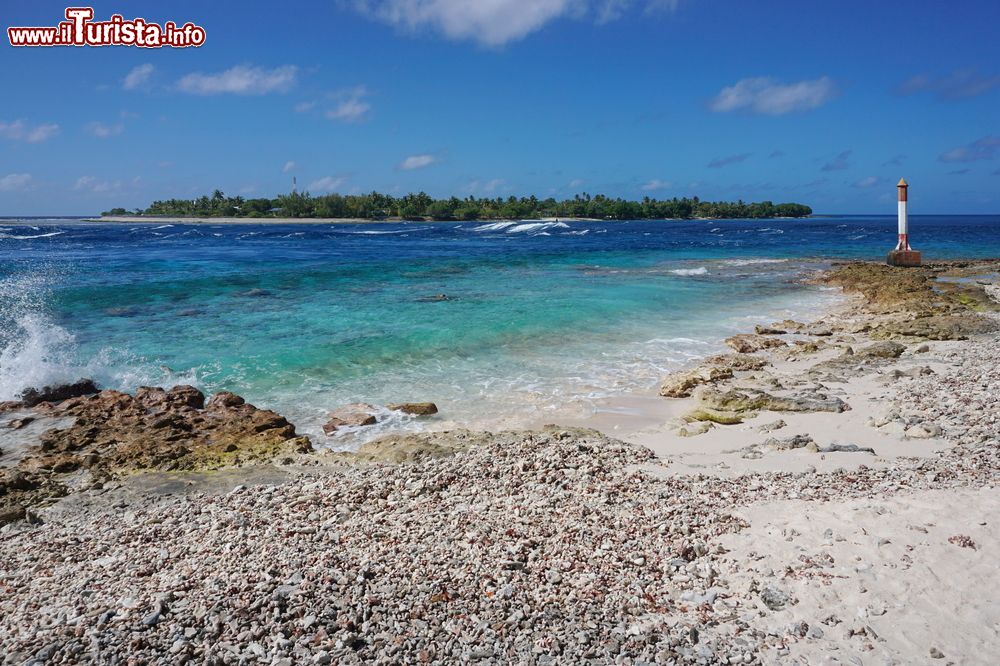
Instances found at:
x=79 y=29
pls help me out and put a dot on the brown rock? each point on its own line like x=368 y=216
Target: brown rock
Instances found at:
x=114 y=433
x=738 y=361
x=747 y=343
x=11 y=406
x=680 y=384
x=769 y=330
x=224 y=400
x=355 y=415
x=415 y=408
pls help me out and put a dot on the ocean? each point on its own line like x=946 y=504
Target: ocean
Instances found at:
x=501 y=324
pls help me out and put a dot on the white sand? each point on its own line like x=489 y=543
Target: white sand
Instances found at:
x=895 y=587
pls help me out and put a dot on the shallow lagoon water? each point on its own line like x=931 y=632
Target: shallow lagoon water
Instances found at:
x=501 y=324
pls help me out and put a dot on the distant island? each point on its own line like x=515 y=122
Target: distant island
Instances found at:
x=421 y=206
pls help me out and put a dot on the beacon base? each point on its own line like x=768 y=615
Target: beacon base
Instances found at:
x=904 y=258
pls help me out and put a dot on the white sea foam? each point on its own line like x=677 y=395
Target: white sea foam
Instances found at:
x=531 y=228
x=16 y=237
x=389 y=232
x=579 y=232
x=164 y=226
x=753 y=262
x=36 y=352
x=701 y=270
x=494 y=226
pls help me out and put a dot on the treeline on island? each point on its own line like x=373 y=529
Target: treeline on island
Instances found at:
x=376 y=206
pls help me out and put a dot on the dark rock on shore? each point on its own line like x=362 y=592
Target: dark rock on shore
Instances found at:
x=885 y=349
x=32 y=396
x=739 y=401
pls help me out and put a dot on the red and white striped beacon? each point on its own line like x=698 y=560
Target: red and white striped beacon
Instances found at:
x=903 y=255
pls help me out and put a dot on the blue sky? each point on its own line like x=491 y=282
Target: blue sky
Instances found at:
x=825 y=103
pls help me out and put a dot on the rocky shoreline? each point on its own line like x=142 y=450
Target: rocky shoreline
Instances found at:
x=556 y=546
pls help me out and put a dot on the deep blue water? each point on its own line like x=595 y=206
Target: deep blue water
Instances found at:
x=539 y=317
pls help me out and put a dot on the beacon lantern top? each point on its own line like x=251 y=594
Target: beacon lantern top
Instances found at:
x=902 y=183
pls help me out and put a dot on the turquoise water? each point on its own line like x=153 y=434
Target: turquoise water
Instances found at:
x=538 y=319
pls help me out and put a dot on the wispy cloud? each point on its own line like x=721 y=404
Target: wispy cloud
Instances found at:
x=137 y=77
x=417 y=162
x=776 y=153
x=959 y=172
x=14 y=182
x=767 y=96
x=240 y=80
x=985 y=148
x=351 y=106
x=896 y=160
x=326 y=184
x=867 y=183
x=102 y=131
x=289 y=166
x=720 y=162
x=656 y=184
x=304 y=107
x=485 y=186
x=96 y=186
x=573 y=184
x=496 y=22
x=838 y=163
x=22 y=131
x=959 y=84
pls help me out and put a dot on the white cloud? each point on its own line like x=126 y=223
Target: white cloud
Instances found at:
x=289 y=166
x=326 y=184
x=351 y=106
x=21 y=131
x=303 y=107
x=486 y=186
x=496 y=22
x=656 y=184
x=417 y=162
x=138 y=77
x=576 y=182
x=869 y=182
x=91 y=184
x=985 y=148
x=768 y=96
x=14 y=181
x=102 y=131
x=240 y=80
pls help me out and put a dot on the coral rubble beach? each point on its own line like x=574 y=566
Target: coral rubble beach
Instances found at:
x=825 y=494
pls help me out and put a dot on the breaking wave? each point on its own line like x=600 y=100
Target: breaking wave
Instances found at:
x=701 y=270
x=17 y=237
x=35 y=351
